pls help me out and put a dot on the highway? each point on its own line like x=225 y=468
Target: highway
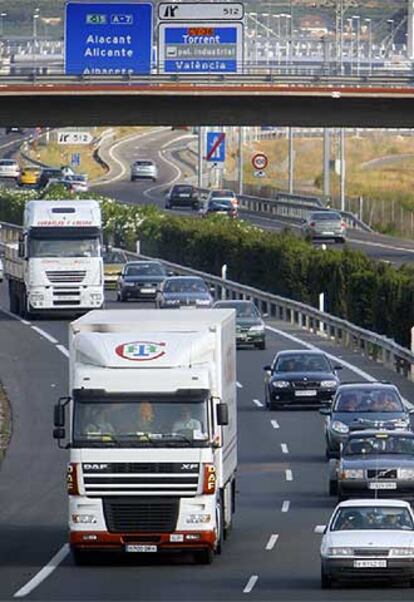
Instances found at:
x=162 y=146
x=282 y=487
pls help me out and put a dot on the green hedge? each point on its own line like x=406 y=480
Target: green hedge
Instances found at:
x=374 y=295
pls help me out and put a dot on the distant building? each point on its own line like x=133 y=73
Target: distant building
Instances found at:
x=313 y=25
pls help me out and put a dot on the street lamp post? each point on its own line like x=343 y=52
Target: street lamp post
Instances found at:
x=369 y=23
x=351 y=44
x=391 y=24
x=358 y=40
x=267 y=43
x=2 y=16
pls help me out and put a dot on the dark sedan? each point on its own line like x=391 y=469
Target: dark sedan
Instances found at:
x=362 y=405
x=183 y=291
x=250 y=327
x=376 y=464
x=220 y=207
x=140 y=280
x=297 y=377
x=182 y=195
x=49 y=173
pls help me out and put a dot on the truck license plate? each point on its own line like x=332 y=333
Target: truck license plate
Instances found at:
x=382 y=485
x=148 y=290
x=140 y=549
x=307 y=393
x=370 y=564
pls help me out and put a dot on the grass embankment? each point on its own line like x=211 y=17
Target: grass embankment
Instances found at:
x=60 y=154
x=5 y=422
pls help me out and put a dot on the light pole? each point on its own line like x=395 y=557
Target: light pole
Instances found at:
x=351 y=44
x=267 y=44
x=358 y=39
x=391 y=25
x=35 y=19
x=369 y=27
x=278 y=45
x=2 y=15
x=343 y=167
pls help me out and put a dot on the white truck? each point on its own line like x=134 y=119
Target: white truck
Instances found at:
x=57 y=264
x=152 y=433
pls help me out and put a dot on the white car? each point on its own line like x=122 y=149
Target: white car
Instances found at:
x=1 y=270
x=368 y=540
x=9 y=169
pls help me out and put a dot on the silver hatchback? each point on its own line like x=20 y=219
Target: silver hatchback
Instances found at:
x=9 y=169
x=325 y=225
x=144 y=169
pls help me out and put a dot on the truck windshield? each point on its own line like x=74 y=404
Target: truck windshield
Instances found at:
x=161 y=423
x=61 y=247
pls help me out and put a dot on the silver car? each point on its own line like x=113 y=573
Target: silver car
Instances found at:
x=144 y=169
x=9 y=169
x=325 y=225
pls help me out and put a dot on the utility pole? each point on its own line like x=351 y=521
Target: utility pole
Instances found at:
x=240 y=170
x=200 y=156
x=326 y=163
x=291 y=160
x=343 y=167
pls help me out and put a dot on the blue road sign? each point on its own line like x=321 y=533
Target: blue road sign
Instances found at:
x=200 y=48
x=108 y=38
x=216 y=147
x=75 y=159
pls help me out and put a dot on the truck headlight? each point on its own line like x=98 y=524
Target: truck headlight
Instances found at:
x=405 y=473
x=402 y=423
x=281 y=384
x=84 y=519
x=401 y=551
x=340 y=551
x=328 y=384
x=340 y=427
x=198 y=519
x=352 y=473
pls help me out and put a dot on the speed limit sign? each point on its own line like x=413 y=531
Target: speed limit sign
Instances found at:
x=260 y=161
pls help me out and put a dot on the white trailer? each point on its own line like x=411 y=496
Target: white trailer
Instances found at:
x=57 y=264
x=153 y=433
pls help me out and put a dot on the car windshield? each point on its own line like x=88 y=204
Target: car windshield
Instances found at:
x=141 y=163
x=220 y=204
x=372 y=518
x=7 y=163
x=60 y=247
x=381 y=443
x=185 y=286
x=145 y=269
x=302 y=362
x=141 y=422
x=243 y=310
x=220 y=194
x=319 y=216
x=182 y=190
x=113 y=257
x=368 y=400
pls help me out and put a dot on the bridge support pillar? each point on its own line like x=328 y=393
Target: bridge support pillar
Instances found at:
x=410 y=30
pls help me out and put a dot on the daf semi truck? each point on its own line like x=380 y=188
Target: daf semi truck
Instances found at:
x=151 y=431
x=57 y=263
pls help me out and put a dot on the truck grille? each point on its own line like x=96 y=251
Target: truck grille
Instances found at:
x=371 y=552
x=129 y=515
x=141 y=479
x=66 y=276
x=382 y=473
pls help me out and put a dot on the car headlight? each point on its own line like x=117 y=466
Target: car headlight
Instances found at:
x=402 y=423
x=84 y=519
x=281 y=384
x=401 y=551
x=259 y=328
x=340 y=551
x=198 y=519
x=405 y=473
x=352 y=473
x=203 y=302
x=329 y=384
x=340 y=427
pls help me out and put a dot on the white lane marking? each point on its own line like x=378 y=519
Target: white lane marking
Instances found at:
x=239 y=385
x=289 y=474
x=171 y=142
x=257 y=403
x=44 y=572
x=44 y=334
x=381 y=245
x=272 y=541
x=284 y=447
x=11 y=315
x=63 y=350
x=147 y=192
x=274 y=424
x=285 y=506
x=250 y=584
x=335 y=358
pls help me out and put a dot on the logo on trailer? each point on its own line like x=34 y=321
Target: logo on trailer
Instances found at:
x=141 y=351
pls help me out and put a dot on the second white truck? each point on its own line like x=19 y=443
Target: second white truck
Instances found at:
x=57 y=264
x=152 y=431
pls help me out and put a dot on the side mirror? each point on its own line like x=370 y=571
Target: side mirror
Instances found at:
x=222 y=414
x=21 y=249
x=212 y=289
x=325 y=411
x=338 y=367
x=267 y=368
x=170 y=273
x=265 y=315
x=59 y=433
x=59 y=416
x=321 y=529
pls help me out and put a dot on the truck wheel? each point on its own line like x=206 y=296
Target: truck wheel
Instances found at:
x=261 y=345
x=220 y=524
x=326 y=581
x=333 y=477
x=81 y=557
x=204 y=557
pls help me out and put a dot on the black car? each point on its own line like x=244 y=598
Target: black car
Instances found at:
x=362 y=405
x=250 y=326
x=183 y=291
x=140 y=280
x=375 y=464
x=300 y=377
x=49 y=173
x=182 y=195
